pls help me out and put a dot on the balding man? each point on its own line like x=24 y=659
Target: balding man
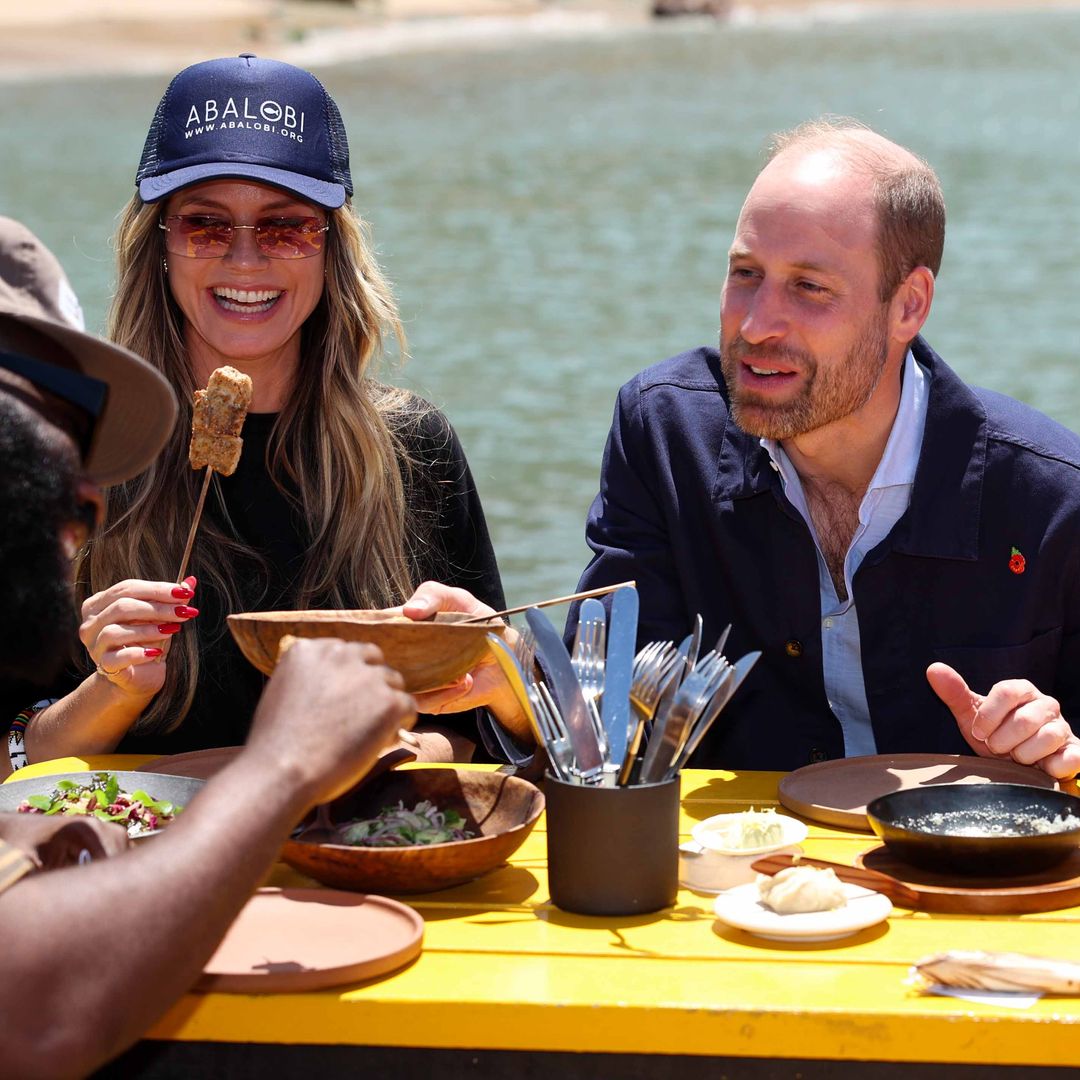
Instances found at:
x=903 y=548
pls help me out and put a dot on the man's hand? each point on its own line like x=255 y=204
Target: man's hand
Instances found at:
x=1014 y=720
x=329 y=709
x=485 y=685
x=57 y=841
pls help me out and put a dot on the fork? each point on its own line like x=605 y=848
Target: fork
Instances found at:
x=690 y=702
x=553 y=731
x=654 y=667
x=587 y=661
x=525 y=652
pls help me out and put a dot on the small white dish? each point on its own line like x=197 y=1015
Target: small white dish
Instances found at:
x=707 y=866
x=713 y=831
x=740 y=907
x=705 y=871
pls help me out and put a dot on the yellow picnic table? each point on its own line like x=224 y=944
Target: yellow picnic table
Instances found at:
x=505 y=976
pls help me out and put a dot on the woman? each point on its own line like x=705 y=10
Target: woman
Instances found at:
x=241 y=248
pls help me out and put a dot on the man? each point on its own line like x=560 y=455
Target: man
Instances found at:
x=77 y=940
x=830 y=487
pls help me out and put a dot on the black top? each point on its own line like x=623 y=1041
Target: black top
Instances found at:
x=457 y=551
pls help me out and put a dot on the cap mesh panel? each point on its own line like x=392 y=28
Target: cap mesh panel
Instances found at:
x=148 y=163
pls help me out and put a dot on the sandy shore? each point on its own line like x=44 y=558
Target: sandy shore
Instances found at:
x=46 y=38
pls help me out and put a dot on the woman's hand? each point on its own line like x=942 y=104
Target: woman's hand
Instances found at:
x=126 y=630
x=485 y=685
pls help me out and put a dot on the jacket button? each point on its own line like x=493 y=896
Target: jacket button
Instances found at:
x=818 y=755
x=793 y=647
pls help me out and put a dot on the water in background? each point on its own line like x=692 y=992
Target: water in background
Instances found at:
x=555 y=215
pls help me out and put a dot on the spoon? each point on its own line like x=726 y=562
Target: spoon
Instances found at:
x=322 y=830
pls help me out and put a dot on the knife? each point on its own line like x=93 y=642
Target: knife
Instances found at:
x=739 y=672
x=695 y=644
x=568 y=695
x=619 y=672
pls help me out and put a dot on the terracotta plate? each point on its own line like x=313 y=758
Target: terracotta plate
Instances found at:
x=836 y=792
x=198 y=763
x=290 y=940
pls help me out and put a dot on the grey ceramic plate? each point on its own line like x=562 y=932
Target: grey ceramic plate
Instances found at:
x=176 y=789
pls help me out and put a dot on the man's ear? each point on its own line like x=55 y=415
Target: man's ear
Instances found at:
x=910 y=304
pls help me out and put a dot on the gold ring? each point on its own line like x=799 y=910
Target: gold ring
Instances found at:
x=107 y=672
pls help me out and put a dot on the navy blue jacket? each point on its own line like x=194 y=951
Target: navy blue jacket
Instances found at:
x=690 y=508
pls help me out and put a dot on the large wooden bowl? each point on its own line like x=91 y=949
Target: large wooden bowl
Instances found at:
x=500 y=809
x=429 y=654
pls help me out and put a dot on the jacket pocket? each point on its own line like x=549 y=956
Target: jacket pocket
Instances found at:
x=1036 y=660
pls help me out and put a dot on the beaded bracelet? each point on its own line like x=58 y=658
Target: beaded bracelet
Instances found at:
x=16 y=740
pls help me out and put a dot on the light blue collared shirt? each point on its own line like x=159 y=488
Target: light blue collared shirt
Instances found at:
x=882 y=506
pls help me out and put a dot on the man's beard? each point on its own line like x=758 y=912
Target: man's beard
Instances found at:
x=829 y=392
x=37 y=497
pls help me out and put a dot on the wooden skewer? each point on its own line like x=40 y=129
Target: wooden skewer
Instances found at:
x=550 y=603
x=195 y=524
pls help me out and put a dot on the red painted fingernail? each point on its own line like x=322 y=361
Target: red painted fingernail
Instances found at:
x=169 y=628
x=186 y=612
x=182 y=592
x=153 y=653
x=191 y=581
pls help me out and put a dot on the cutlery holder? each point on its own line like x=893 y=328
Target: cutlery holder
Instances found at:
x=612 y=850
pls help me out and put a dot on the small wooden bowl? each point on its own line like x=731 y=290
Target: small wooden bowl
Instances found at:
x=429 y=654
x=500 y=809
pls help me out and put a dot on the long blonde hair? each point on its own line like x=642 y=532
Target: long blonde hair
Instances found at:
x=335 y=450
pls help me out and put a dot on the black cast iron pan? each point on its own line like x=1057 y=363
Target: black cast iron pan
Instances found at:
x=982 y=829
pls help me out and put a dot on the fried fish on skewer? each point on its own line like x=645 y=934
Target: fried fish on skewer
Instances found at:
x=218 y=417
x=216 y=422
x=221 y=453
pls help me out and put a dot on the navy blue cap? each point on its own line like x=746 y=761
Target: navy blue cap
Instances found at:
x=252 y=119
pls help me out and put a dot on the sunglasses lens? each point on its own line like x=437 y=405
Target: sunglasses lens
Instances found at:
x=294 y=238
x=198 y=236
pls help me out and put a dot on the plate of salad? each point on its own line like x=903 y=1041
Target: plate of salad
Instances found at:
x=143 y=803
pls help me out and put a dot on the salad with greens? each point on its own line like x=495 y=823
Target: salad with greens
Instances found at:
x=101 y=797
x=394 y=826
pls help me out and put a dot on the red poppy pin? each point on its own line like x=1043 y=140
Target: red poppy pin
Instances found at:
x=1017 y=562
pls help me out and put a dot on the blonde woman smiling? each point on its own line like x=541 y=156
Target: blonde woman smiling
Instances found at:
x=241 y=248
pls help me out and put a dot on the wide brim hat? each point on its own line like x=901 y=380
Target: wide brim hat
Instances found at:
x=140 y=410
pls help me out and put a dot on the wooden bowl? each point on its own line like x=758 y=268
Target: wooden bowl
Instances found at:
x=500 y=809
x=429 y=654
